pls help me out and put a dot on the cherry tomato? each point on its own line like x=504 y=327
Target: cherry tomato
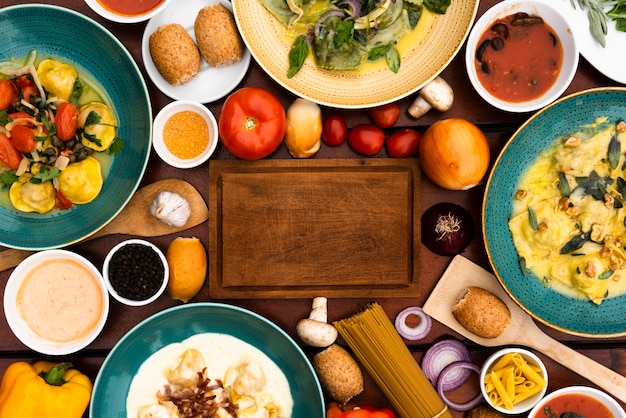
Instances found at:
x=66 y=121
x=334 y=130
x=8 y=94
x=9 y=155
x=366 y=139
x=28 y=91
x=22 y=138
x=252 y=123
x=61 y=202
x=403 y=143
x=23 y=81
x=384 y=116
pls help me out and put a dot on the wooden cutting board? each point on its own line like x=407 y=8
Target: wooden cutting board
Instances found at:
x=307 y=228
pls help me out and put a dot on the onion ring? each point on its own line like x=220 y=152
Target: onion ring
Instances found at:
x=440 y=355
x=413 y=333
x=465 y=365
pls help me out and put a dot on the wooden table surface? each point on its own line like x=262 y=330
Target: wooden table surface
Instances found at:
x=498 y=127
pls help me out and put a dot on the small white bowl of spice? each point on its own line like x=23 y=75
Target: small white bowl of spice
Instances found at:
x=135 y=272
x=185 y=134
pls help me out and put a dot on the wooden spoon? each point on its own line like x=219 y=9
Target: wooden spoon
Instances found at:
x=135 y=218
x=462 y=273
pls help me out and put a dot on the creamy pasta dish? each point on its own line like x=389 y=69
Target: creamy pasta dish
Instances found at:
x=209 y=375
x=568 y=221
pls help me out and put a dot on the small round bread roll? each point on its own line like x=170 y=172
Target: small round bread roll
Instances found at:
x=339 y=373
x=174 y=53
x=481 y=312
x=217 y=36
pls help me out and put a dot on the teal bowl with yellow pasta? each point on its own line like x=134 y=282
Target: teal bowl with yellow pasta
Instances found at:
x=554 y=214
x=60 y=44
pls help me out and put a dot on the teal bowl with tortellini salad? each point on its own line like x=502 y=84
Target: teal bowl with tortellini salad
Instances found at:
x=554 y=214
x=75 y=127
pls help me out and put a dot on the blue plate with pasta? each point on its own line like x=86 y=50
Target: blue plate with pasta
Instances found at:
x=565 y=311
x=69 y=37
x=113 y=390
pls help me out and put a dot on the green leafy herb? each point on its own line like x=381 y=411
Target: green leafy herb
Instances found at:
x=297 y=55
x=437 y=6
x=8 y=177
x=392 y=56
x=614 y=151
x=575 y=243
x=606 y=274
x=4 y=118
x=77 y=91
x=377 y=52
x=345 y=31
x=116 y=146
x=47 y=173
x=599 y=19
x=532 y=218
x=618 y=14
x=93 y=118
x=564 y=185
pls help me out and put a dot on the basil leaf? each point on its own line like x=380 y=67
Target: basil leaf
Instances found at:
x=393 y=59
x=437 y=6
x=377 y=52
x=297 y=55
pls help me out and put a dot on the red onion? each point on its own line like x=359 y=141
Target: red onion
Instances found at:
x=447 y=228
x=452 y=369
x=413 y=333
x=442 y=354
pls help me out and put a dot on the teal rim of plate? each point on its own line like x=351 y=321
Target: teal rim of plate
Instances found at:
x=64 y=34
x=562 y=312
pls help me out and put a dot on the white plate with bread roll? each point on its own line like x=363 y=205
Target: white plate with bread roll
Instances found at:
x=192 y=51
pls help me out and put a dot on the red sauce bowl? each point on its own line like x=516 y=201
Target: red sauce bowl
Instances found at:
x=529 y=66
x=125 y=11
x=582 y=400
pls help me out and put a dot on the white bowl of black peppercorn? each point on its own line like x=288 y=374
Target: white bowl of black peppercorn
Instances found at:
x=135 y=272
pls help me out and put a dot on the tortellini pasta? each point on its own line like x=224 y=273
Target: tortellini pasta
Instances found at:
x=81 y=182
x=99 y=125
x=32 y=197
x=57 y=78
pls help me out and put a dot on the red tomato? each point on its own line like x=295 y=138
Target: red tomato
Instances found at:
x=29 y=91
x=366 y=139
x=61 y=202
x=334 y=130
x=66 y=121
x=403 y=143
x=9 y=155
x=252 y=123
x=22 y=138
x=8 y=94
x=357 y=413
x=23 y=81
x=384 y=116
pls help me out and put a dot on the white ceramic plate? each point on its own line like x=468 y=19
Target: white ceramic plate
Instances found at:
x=211 y=83
x=609 y=60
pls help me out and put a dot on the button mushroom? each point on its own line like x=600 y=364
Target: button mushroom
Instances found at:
x=315 y=330
x=437 y=94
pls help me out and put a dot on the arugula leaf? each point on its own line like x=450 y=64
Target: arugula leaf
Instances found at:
x=297 y=55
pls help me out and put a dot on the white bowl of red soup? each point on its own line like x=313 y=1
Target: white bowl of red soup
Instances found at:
x=577 y=401
x=56 y=302
x=521 y=55
x=125 y=11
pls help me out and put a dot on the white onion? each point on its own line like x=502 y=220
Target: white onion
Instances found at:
x=413 y=333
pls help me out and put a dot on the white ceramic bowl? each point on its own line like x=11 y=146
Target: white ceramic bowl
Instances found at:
x=616 y=410
x=97 y=7
x=20 y=325
x=557 y=22
x=111 y=289
x=159 y=123
x=531 y=359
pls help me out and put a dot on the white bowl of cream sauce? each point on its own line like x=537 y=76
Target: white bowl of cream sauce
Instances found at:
x=56 y=302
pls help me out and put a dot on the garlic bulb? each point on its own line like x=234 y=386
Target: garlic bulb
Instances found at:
x=171 y=208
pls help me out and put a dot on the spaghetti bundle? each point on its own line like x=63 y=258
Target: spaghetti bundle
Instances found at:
x=378 y=347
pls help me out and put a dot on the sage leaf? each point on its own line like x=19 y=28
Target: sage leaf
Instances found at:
x=614 y=151
x=606 y=274
x=564 y=185
x=532 y=218
x=575 y=243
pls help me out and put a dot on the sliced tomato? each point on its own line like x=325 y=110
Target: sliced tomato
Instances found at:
x=22 y=138
x=9 y=155
x=8 y=94
x=66 y=121
x=61 y=202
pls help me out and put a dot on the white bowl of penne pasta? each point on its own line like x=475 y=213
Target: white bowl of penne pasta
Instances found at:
x=513 y=380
